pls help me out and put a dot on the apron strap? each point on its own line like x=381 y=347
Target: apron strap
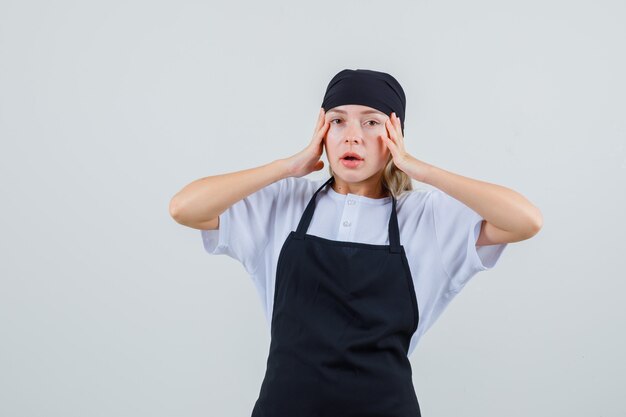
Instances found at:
x=394 y=231
x=305 y=220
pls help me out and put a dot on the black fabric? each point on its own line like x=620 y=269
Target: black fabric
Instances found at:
x=342 y=321
x=375 y=89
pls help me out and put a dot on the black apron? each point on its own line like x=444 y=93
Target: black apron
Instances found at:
x=343 y=317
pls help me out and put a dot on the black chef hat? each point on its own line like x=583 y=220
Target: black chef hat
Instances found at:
x=375 y=89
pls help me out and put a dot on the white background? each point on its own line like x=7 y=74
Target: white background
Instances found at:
x=108 y=307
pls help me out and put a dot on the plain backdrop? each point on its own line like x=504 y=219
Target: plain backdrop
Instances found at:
x=108 y=307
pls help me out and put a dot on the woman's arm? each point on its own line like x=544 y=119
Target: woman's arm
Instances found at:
x=509 y=216
x=199 y=203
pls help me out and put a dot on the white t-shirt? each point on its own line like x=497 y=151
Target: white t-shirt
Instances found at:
x=438 y=233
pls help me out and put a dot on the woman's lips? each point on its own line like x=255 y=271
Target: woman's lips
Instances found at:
x=351 y=163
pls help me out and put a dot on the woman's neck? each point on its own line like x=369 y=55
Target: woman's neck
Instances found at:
x=369 y=189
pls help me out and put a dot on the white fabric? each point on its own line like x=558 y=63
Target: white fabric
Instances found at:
x=437 y=231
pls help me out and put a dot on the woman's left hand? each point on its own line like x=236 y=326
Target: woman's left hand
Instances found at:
x=395 y=140
x=401 y=158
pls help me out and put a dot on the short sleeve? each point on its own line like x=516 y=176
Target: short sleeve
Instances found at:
x=244 y=227
x=457 y=228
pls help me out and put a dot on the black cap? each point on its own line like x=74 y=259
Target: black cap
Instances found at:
x=375 y=89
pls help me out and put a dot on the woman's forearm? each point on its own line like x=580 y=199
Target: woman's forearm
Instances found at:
x=501 y=206
x=206 y=198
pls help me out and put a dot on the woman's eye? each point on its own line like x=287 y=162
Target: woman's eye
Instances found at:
x=371 y=121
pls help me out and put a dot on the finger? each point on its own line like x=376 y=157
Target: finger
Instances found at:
x=320 y=120
x=390 y=144
x=323 y=127
x=399 y=128
x=398 y=125
x=321 y=132
x=390 y=129
x=393 y=119
x=399 y=139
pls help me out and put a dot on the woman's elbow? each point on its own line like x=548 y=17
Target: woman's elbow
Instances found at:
x=535 y=224
x=175 y=210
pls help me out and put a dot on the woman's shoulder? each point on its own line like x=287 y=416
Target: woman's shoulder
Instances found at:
x=417 y=196
x=294 y=186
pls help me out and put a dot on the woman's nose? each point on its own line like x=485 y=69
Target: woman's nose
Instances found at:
x=352 y=139
x=353 y=133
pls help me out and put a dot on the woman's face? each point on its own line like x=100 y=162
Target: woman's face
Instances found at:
x=356 y=128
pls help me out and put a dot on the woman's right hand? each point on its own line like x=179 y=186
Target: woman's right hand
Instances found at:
x=308 y=159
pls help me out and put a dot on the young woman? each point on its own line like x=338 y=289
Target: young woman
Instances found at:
x=352 y=269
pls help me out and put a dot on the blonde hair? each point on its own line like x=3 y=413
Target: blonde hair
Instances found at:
x=395 y=180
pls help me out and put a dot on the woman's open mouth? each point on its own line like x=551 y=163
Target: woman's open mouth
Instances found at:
x=351 y=162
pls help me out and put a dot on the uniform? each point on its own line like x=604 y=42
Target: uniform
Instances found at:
x=344 y=281
x=437 y=231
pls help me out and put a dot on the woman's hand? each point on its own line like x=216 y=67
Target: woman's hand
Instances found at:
x=394 y=140
x=308 y=159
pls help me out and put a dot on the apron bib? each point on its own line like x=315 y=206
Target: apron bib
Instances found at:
x=343 y=317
